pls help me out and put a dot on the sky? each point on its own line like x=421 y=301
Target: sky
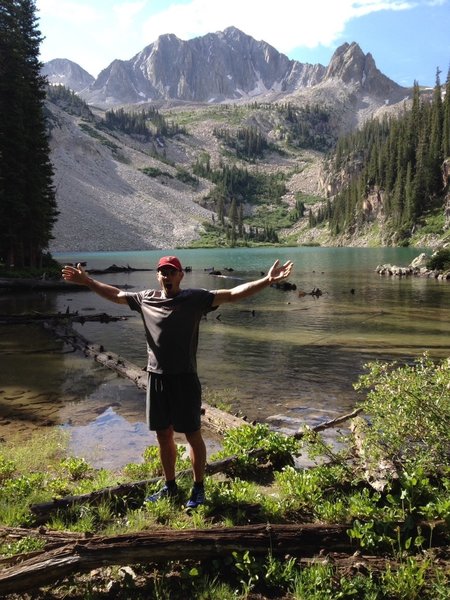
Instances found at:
x=408 y=39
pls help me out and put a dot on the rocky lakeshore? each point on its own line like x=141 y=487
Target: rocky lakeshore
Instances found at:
x=418 y=267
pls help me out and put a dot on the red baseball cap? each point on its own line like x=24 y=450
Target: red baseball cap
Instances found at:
x=169 y=261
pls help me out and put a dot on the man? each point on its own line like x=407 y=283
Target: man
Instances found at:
x=171 y=318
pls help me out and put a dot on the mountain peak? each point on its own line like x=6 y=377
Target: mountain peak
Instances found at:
x=228 y=65
x=352 y=66
x=62 y=71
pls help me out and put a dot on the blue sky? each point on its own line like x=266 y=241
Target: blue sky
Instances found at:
x=408 y=39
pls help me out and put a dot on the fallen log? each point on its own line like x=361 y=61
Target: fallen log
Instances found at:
x=110 y=360
x=379 y=471
x=16 y=283
x=330 y=424
x=165 y=545
x=115 y=269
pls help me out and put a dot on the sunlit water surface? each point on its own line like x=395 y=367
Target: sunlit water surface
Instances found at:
x=283 y=357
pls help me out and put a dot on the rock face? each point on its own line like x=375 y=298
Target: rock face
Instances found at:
x=223 y=66
x=61 y=71
x=351 y=65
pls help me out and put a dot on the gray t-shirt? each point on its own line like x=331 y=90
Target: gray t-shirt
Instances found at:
x=171 y=327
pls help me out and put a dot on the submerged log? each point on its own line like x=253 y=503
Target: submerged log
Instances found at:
x=74 y=317
x=213 y=418
x=108 y=359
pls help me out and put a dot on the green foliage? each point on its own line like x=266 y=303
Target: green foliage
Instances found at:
x=241 y=441
x=248 y=142
x=145 y=123
x=94 y=133
x=236 y=187
x=7 y=469
x=151 y=465
x=440 y=261
x=409 y=409
x=156 y=172
x=408 y=582
x=26 y=544
x=309 y=126
x=77 y=468
x=401 y=157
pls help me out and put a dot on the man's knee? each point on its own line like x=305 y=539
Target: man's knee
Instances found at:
x=165 y=436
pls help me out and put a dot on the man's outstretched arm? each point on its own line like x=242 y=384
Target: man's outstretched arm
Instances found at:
x=79 y=276
x=276 y=273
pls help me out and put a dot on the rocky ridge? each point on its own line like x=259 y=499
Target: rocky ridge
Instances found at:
x=221 y=67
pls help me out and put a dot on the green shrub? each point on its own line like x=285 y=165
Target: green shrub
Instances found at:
x=440 y=261
x=409 y=409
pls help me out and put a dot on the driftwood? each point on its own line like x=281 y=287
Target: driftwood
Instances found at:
x=379 y=471
x=74 y=317
x=165 y=545
x=115 y=269
x=162 y=545
x=108 y=359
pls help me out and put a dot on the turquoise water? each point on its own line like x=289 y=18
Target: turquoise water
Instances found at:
x=281 y=357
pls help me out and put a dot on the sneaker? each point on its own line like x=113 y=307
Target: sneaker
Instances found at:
x=164 y=492
x=197 y=497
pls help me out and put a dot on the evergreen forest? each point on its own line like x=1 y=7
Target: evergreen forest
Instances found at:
x=400 y=159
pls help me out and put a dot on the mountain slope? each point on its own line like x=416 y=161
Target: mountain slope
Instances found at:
x=106 y=203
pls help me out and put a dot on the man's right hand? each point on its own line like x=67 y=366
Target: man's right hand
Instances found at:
x=75 y=274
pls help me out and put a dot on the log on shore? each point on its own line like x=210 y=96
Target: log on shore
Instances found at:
x=302 y=541
x=166 y=545
x=27 y=284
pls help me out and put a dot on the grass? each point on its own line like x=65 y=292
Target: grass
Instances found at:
x=387 y=524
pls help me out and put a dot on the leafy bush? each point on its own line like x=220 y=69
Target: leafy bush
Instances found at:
x=440 y=261
x=409 y=408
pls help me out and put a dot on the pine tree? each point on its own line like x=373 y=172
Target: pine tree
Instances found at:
x=435 y=145
x=446 y=120
x=27 y=197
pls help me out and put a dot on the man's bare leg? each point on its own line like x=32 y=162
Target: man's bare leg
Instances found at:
x=197 y=453
x=167 y=452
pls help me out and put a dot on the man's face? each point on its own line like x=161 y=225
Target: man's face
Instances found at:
x=169 y=280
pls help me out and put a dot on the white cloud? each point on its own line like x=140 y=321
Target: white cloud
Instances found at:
x=286 y=24
x=95 y=32
x=69 y=11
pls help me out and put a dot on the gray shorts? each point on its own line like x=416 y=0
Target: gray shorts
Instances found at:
x=174 y=400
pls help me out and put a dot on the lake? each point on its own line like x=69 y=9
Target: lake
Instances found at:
x=283 y=357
